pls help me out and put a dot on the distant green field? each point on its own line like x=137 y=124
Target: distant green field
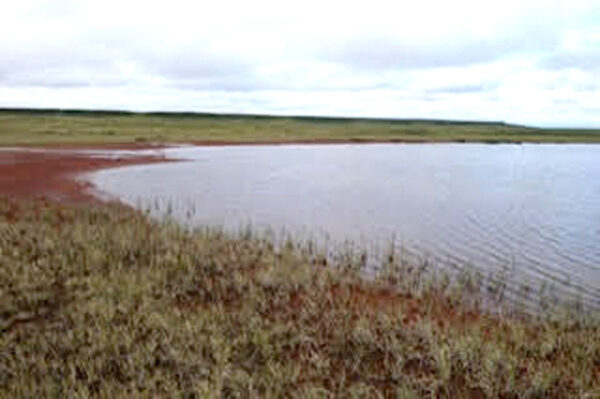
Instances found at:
x=33 y=127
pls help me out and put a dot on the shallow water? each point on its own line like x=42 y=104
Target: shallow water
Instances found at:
x=531 y=210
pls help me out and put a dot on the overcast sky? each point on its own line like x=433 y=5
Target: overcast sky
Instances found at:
x=530 y=62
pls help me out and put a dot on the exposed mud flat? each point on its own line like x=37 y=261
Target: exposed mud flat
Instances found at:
x=52 y=172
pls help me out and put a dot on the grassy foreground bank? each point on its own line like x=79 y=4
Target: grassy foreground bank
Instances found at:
x=39 y=127
x=99 y=300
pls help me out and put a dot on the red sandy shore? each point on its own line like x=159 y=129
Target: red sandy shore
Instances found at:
x=221 y=143
x=24 y=173
x=31 y=172
x=51 y=175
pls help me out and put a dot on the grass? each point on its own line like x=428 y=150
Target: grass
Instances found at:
x=102 y=301
x=31 y=127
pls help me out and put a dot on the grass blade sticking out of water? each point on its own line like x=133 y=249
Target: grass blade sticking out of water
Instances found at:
x=104 y=301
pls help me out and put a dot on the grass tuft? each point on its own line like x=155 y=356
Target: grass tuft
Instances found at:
x=101 y=300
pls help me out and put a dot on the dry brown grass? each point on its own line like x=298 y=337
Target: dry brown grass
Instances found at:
x=101 y=301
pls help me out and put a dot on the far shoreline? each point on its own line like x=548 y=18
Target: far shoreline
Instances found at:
x=159 y=145
x=51 y=170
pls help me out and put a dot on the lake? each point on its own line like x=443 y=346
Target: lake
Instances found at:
x=532 y=211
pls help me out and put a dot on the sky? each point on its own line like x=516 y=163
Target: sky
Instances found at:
x=527 y=62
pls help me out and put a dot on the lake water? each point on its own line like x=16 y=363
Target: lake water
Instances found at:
x=533 y=210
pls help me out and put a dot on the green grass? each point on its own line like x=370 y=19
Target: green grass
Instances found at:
x=32 y=127
x=102 y=301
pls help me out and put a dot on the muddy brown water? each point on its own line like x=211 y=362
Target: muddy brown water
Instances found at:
x=530 y=212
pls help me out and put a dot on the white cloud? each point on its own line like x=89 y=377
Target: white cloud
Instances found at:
x=532 y=62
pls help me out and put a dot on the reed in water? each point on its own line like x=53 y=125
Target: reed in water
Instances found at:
x=102 y=300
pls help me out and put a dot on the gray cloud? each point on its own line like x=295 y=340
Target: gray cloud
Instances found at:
x=55 y=9
x=65 y=78
x=92 y=62
x=59 y=69
x=309 y=58
x=588 y=60
x=381 y=53
x=222 y=83
x=463 y=88
x=195 y=68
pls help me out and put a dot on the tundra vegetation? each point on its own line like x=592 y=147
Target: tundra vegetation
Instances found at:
x=101 y=300
x=43 y=127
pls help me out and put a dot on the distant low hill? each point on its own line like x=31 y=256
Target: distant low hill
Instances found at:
x=23 y=126
x=212 y=115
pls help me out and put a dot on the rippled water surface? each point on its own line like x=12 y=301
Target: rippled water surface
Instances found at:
x=531 y=209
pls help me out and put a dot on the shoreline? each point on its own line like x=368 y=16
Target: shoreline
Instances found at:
x=134 y=146
x=104 y=279
x=99 y=292
x=39 y=173
x=158 y=145
x=51 y=170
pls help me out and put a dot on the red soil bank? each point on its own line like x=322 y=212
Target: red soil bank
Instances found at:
x=52 y=174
